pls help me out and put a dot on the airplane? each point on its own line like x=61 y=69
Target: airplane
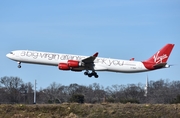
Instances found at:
x=91 y=64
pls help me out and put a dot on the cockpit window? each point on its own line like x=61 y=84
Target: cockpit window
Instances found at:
x=11 y=53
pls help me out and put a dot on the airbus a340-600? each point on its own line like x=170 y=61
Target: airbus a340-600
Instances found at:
x=92 y=64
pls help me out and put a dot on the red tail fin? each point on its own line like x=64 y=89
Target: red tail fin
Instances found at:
x=162 y=55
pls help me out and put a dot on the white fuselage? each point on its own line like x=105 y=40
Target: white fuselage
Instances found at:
x=53 y=59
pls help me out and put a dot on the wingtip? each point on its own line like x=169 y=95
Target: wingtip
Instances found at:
x=96 y=54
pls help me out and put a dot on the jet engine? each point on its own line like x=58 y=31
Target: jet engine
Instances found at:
x=69 y=65
x=63 y=66
x=73 y=63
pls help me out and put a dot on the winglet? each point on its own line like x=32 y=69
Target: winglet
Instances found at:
x=95 y=55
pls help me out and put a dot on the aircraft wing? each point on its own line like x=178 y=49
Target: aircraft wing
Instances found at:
x=90 y=59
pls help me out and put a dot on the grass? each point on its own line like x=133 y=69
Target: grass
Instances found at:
x=105 y=110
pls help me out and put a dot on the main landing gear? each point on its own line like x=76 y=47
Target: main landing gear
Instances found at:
x=19 y=64
x=93 y=73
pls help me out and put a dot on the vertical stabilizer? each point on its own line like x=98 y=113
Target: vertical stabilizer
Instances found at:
x=162 y=55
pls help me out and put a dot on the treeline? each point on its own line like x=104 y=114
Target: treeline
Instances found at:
x=14 y=90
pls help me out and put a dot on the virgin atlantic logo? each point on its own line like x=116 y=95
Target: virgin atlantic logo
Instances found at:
x=159 y=59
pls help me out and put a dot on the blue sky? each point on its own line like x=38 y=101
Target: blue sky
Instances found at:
x=115 y=29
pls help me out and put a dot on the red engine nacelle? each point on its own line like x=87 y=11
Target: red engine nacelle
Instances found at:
x=69 y=65
x=73 y=63
x=63 y=66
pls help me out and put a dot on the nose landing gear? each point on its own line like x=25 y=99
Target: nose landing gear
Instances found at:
x=19 y=64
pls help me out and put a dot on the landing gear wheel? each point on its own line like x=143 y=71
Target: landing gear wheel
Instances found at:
x=19 y=66
x=93 y=73
x=85 y=73
x=89 y=75
x=96 y=76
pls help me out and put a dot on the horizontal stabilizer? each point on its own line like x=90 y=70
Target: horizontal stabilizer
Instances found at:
x=160 y=65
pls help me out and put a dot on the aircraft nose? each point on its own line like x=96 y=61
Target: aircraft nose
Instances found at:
x=8 y=55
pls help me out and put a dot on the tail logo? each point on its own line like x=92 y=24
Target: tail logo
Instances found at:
x=159 y=59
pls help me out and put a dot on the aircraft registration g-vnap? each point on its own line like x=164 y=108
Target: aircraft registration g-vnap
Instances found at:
x=91 y=64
